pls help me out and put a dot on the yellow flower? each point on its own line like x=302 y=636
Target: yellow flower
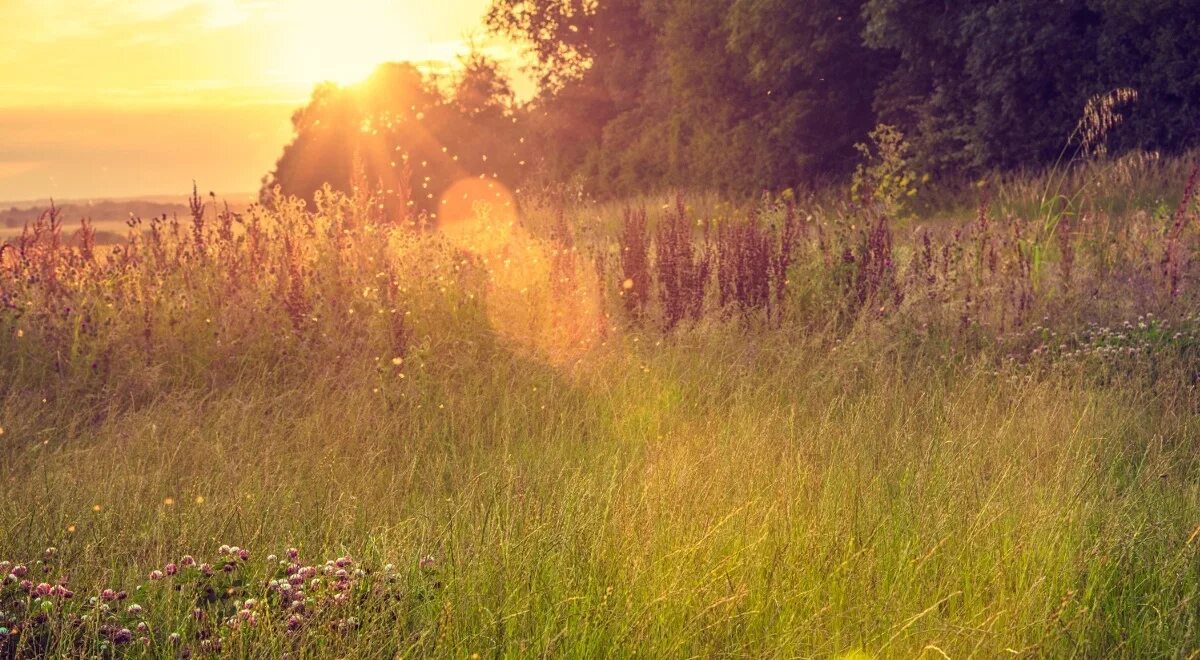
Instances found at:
x=199 y=499
x=170 y=501
x=96 y=508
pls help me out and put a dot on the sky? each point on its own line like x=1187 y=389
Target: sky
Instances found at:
x=121 y=98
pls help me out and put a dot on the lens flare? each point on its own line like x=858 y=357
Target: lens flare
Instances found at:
x=543 y=297
x=478 y=215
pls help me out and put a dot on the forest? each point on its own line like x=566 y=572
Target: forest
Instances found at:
x=741 y=96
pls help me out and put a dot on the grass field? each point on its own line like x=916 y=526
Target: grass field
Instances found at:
x=815 y=433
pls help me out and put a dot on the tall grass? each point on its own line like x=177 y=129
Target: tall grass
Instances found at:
x=860 y=440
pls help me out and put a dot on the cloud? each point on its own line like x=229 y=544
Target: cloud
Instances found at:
x=50 y=21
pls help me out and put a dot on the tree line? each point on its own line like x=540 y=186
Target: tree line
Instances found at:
x=745 y=95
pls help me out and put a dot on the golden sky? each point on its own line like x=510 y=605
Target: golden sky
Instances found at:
x=117 y=98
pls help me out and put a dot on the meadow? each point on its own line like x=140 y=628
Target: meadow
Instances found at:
x=677 y=426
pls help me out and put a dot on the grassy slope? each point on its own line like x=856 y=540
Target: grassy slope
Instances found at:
x=714 y=492
x=688 y=502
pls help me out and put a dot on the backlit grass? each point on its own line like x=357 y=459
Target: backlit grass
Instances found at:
x=808 y=487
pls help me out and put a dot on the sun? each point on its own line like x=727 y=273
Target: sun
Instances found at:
x=342 y=42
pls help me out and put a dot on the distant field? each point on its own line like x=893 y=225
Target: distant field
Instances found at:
x=108 y=232
x=109 y=216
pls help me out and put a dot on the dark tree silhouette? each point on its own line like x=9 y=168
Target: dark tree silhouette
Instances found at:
x=402 y=134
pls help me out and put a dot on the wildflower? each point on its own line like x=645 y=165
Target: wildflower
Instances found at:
x=187 y=560
x=123 y=636
x=243 y=554
x=156 y=575
x=142 y=627
x=134 y=609
x=427 y=562
x=96 y=508
x=108 y=594
x=206 y=569
x=173 y=638
x=169 y=501
x=293 y=554
x=171 y=568
x=42 y=589
x=19 y=570
x=223 y=550
x=25 y=585
x=199 y=499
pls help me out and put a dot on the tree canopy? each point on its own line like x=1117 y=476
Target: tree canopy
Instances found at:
x=742 y=95
x=403 y=132
x=763 y=93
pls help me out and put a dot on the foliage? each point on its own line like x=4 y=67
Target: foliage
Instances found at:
x=975 y=91
x=739 y=95
x=884 y=177
x=402 y=133
x=683 y=93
